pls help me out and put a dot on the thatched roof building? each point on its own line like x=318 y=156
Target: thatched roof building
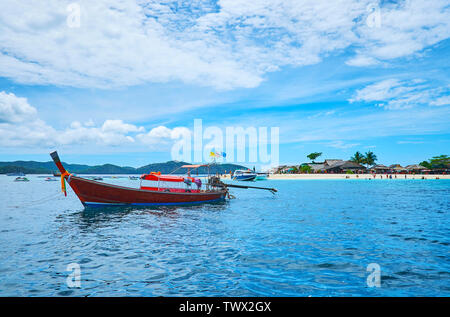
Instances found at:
x=332 y=162
x=379 y=168
x=317 y=167
x=415 y=167
x=344 y=166
x=336 y=166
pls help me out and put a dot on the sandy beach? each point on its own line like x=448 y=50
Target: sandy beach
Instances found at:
x=351 y=176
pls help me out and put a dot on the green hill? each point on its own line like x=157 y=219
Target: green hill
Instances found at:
x=43 y=167
x=33 y=167
x=20 y=169
x=108 y=169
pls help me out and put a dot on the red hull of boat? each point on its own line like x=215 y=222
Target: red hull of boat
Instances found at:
x=95 y=194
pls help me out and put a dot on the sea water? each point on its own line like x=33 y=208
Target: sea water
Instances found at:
x=313 y=238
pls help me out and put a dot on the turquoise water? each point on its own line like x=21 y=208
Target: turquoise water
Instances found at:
x=314 y=238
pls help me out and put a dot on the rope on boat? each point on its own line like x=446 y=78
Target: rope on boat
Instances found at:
x=63 y=181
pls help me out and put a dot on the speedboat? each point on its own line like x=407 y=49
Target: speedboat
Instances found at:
x=243 y=175
x=21 y=179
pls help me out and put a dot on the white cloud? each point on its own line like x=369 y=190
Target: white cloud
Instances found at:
x=341 y=145
x=410 y=142
x=395 y=94
x=15 y=109
x=118 y=126
x=79 y=134
x=161 y=136
x=228 y=44
x=20 y=126
x=361 y=60
x=405 y=28
x=441 y=101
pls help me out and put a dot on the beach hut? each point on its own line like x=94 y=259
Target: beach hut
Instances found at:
x=415 y=168
x=317 y=167
x=379 y=168
x=397 y=168
x=345 y=166
x=331 y=162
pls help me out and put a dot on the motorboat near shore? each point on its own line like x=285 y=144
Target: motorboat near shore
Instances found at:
x=243 y=175
x=155 y=189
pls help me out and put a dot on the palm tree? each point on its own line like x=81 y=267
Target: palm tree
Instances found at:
x=370 y=158
x=358 y=158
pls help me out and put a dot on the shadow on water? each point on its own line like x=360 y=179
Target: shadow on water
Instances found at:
x=156 y=210
x=100 y=216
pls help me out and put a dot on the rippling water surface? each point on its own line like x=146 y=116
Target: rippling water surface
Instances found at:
x=315 y=237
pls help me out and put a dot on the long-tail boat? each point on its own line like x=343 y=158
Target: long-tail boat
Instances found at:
x=165 y=189
x=168 y=190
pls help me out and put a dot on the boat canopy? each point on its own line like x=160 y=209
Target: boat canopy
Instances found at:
x=164 y=178
x=192 y=166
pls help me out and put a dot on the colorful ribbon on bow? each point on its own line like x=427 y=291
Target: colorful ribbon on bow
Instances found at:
x=63 y=182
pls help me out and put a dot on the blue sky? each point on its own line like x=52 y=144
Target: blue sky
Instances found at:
x=334 y=77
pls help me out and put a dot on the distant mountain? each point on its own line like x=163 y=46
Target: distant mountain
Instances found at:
x=32 y=167
x=108 y=169
x=164 y=168
x=20 y=169
x=171 y=166
x=43 y=167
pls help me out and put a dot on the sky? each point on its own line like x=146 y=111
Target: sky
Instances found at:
x=115 y=81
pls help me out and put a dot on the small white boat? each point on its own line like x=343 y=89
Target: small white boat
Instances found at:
x=261 y=176
x=243 y=175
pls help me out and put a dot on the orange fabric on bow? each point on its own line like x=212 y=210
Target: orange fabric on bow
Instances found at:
x=63 y=182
